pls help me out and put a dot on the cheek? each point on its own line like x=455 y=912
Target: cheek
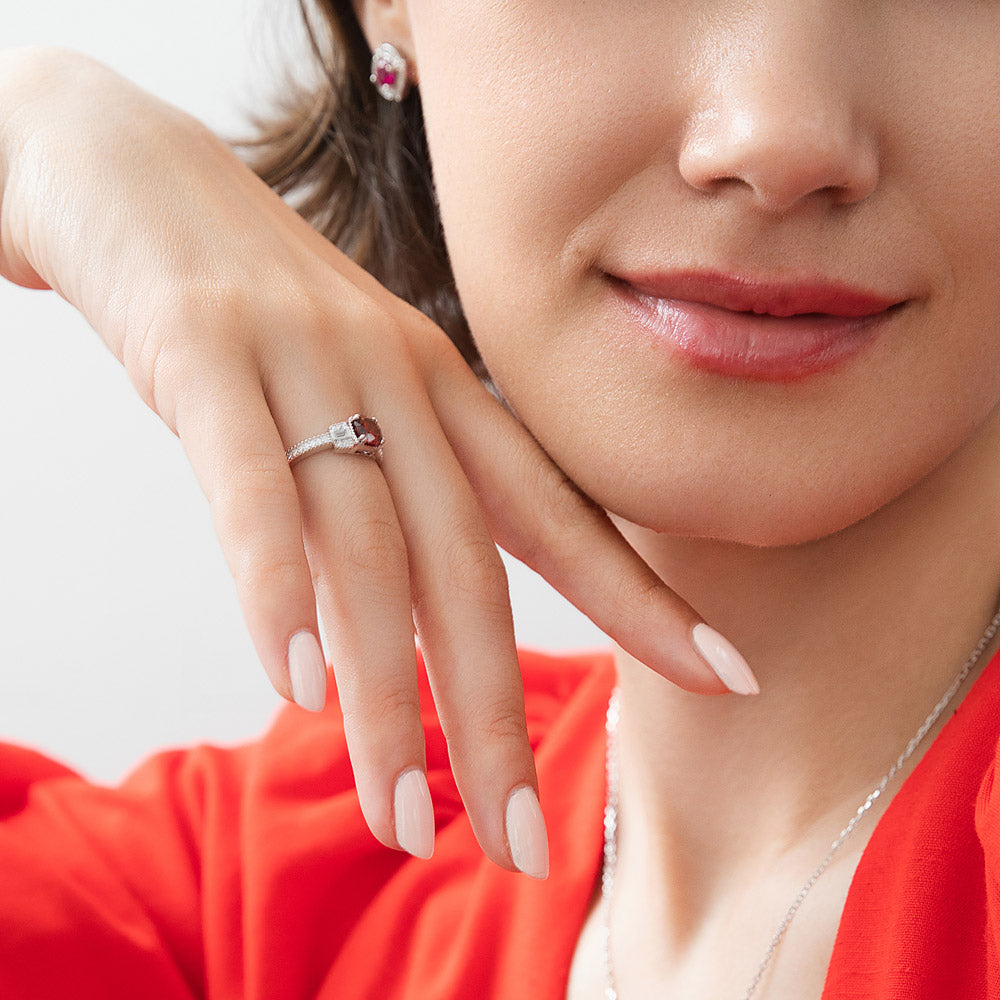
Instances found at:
x=524 y=144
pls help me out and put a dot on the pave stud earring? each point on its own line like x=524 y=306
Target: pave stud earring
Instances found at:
x=389 y=72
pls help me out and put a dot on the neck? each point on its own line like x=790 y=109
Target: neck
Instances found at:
x=853 y=639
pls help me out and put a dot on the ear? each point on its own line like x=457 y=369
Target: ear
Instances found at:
x=387 y=21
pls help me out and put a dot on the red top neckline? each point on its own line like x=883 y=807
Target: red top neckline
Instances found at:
x=891 y=893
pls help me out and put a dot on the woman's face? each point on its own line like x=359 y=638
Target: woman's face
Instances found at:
x=782 y=141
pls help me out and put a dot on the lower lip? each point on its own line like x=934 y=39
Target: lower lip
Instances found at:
x=751 y=346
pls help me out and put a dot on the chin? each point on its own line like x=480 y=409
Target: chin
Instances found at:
x=776 y=516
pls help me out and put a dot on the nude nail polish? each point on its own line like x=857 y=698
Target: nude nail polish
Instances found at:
x=724 y=658
x=414 y=813
x=529 y=843
x=307 y=671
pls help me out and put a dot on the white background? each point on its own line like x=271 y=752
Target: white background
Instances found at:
x=121 y=631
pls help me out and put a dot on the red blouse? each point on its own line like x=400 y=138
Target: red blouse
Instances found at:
x=249 y=873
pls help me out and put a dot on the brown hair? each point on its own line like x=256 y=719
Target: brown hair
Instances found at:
x=359 y=172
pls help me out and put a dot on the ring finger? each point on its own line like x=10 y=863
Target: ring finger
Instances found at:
x=358 y=560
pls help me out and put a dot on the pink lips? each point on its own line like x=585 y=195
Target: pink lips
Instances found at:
x=754 y=329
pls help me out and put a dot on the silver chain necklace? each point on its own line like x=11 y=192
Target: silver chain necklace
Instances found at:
x=611 y=820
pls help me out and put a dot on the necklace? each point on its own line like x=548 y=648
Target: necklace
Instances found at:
x=611 y=820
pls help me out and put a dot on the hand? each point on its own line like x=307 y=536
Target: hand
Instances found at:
x=246 y=331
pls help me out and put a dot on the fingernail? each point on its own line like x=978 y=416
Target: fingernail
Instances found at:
x=724 y=658
x=529 y=845
x=307 y=671
x=414 y=814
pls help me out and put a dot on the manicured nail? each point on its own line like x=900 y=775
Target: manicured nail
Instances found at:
x=307 y=671
x=414 y=814
x=529 y=845
x=724 y=658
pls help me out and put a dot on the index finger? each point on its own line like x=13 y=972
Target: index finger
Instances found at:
x=540 y=517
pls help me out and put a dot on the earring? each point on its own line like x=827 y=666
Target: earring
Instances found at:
x=389 y=72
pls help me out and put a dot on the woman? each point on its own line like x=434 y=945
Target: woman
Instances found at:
x=621 y=189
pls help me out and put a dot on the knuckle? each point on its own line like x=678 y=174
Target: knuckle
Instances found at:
x=474 y=569
x=153 y=360
x=392 y=339
x=639 y=596
x=366 y=313
x=430 y=339
x=255 y=486
x=559 y=494
x=258 y=572
x=242 y=511
x=507 y=728
x=373 y=547
x=563 y=517
x=390 y=328
x=499 y=721
x=439 y=358
x=263 y=472
x=220 y=302
x=387 y=705
x=300 y=314
x=175 y=356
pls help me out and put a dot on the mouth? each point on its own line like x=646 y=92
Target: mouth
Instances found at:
x=752 y=329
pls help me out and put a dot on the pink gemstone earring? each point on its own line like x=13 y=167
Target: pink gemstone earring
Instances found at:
x=389 y=72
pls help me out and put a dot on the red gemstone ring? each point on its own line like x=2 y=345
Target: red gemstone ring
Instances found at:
x=358 y=436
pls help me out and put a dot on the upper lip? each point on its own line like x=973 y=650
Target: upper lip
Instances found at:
x=749 y=294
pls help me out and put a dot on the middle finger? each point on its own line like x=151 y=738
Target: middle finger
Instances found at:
x=463 y=615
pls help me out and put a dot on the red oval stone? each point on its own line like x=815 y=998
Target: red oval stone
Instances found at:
x=367 y=431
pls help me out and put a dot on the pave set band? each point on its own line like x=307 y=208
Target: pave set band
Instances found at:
x=358 y=435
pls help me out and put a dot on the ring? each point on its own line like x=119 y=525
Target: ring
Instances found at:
x=357 y=435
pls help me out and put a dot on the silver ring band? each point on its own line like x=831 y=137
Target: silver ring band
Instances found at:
x=357 y=435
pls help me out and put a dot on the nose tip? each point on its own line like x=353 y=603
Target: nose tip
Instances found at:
x=779 y=155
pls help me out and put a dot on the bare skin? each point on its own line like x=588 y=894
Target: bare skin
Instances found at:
x=246 y=331
x=840 y=529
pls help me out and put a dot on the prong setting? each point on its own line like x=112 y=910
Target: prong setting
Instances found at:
x=388 y=72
